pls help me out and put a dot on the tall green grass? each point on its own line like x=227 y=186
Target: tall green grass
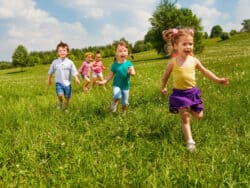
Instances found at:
x=90 y=147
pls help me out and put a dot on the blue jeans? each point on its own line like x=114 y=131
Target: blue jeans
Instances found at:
x=65 y=90
x=118 y=93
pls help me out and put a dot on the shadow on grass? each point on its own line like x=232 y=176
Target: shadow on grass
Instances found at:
x=16 y=72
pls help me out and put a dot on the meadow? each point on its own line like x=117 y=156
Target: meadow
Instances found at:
x=90 y=147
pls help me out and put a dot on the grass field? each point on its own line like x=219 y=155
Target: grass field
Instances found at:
x=90 y=147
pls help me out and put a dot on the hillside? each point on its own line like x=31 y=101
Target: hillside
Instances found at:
x=90 y=147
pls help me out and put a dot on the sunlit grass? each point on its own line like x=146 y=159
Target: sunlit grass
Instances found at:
x=89 y=147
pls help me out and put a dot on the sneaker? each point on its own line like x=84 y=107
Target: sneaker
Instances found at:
x=191 y=146
x=59 y=106
x=113 y=106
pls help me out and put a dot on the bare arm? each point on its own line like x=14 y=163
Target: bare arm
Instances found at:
x=166 y=76
x=49 y=80
x=109 y=77
x=211 y=75
x=77 y=79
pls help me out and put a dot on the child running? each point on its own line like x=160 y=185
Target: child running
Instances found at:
x=97 y=68
x=121 y=70
x=185 y=98
x=86 y=69
x=64 y=68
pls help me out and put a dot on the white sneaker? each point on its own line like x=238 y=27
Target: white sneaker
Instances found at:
x=59 y=106
x=113 y=106
x=191 y=146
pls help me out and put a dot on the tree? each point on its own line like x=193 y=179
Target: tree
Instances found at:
x=20 y=56
x=246 y=25
x=224 y=36
x=233 y=32
x=216 y=31
x=32 y=60
x=205 y=35
x=167 y=16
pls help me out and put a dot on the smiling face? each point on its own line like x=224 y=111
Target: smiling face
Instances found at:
x=88 y=58
x=121 y=53
x=185 y=46
x=98 y=57
x=62 y=52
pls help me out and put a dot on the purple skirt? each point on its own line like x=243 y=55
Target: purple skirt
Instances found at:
x=185 y=98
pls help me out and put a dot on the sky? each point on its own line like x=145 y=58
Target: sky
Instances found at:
x=40 y=25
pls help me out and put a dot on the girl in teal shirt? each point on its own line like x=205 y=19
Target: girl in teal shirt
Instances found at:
x=121 y=70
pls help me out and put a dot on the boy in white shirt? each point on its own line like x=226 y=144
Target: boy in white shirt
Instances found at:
x=63 y=68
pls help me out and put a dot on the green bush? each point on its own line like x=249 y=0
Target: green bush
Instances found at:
x=233 y=32
x=224 y=36
x=5 y=65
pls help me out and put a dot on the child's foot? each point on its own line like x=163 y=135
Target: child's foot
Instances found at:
x=59 y=106
x=85 y=89
x=113 y=106
x=124 y=112
x=191 y=146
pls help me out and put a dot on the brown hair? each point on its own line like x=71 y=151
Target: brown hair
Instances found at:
x=63 y=45
x=172 y=36
x=121 y=43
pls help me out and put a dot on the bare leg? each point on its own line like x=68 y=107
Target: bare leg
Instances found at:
x=101 y=79
x=60 y=101
x=124 y=109
x=185 y=123
x=67 y=103
x=94 y=81
x=197 y=115
x=114 y=104
x=85 y=86
x=185 y=114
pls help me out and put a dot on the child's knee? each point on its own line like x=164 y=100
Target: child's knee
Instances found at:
x=198 y=115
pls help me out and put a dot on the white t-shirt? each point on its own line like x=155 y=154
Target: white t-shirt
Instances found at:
x=63 y=70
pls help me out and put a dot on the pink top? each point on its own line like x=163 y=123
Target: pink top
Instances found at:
x=85 y=68
x=97 y=67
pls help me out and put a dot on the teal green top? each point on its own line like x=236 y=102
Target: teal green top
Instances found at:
x=121 y=77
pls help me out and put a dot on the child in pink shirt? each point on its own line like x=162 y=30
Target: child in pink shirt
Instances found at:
x=86 y=69
x=97 y=68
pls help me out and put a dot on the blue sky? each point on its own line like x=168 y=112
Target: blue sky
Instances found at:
x=39 y=25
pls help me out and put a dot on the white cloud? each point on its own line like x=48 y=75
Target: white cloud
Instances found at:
x=210 y=16
x=35 y=29
x=142 y=18
x=111 y=33
x=94 y=13
x=243 y=7
x=83 y=7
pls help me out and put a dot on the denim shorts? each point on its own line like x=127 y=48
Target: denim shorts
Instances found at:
x=63 y=90
x=118 y=93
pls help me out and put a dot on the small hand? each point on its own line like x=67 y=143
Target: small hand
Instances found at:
x=129 y=70
x=224 y=81
x=102 y=82
x=164 y=91
x=77 y=80
x=48 y=82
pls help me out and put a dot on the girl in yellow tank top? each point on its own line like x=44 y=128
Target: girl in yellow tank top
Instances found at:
x=184 y=76
x=185 y=98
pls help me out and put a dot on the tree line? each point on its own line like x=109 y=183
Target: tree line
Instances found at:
x=166 y=15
